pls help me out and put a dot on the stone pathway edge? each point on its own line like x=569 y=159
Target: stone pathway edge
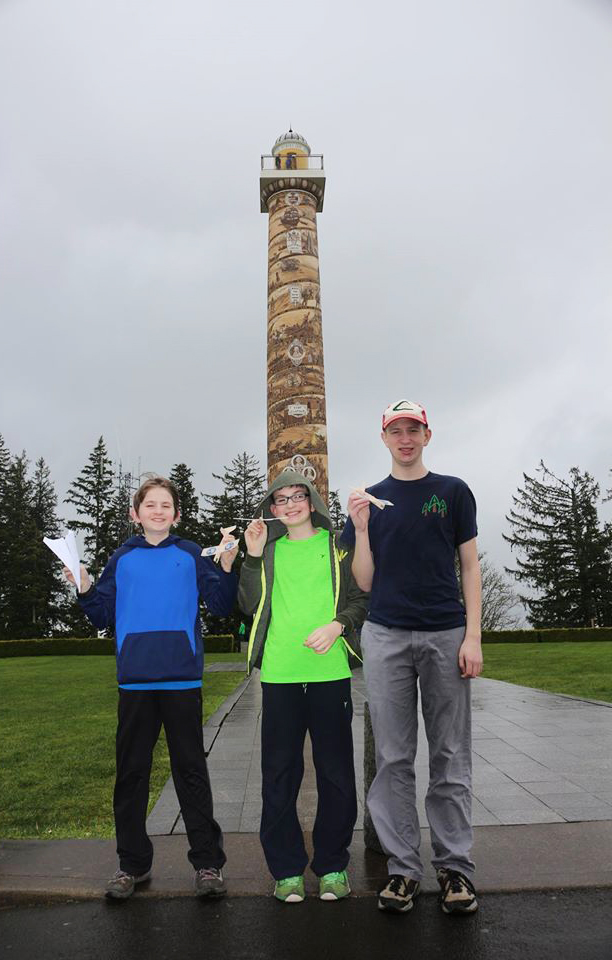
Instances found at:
x=164 y=815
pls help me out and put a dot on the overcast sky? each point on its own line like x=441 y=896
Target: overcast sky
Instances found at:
x=465 y=244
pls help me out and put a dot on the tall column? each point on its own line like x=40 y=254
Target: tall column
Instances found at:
x=297 y=426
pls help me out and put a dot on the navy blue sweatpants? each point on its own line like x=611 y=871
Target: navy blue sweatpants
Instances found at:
x=325 y=710
x=141 y=714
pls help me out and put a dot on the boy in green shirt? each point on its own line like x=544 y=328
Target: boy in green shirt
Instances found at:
x=299 y=587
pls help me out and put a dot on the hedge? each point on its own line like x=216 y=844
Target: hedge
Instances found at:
x=226 y=643
x=69 y=646
x=551 y=635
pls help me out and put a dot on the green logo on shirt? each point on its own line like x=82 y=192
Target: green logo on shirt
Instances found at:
x=433 y=505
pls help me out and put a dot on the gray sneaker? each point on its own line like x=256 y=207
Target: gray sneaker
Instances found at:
x=121 y=884
x=209 y=882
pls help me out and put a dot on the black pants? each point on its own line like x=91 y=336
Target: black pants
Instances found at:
x=290 y=709
x=141 y=714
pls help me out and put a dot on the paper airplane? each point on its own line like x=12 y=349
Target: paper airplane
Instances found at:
x=381 y=504
x=66 y=549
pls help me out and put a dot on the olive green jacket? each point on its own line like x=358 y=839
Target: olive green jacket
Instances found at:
x=257 y=574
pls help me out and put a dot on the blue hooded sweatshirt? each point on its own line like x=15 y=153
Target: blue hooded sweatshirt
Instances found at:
x=150 y=595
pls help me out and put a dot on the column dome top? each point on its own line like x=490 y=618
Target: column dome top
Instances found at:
x=291 y=141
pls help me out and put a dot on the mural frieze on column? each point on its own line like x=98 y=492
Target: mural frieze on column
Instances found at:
x=297 y=431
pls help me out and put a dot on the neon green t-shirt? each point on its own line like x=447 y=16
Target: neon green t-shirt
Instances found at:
x=302 y=600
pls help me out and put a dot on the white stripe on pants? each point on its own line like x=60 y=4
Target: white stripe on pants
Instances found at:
x=393 y=660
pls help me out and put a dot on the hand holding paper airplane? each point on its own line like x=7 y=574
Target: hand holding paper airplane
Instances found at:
x=65 y=548
x=224 y=546
x=381 y=504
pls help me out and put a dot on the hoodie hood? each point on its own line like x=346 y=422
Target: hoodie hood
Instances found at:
x=291 y=478
x=138 y=540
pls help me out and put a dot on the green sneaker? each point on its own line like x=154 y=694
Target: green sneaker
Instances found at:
x=290 y=890
x=334 y=886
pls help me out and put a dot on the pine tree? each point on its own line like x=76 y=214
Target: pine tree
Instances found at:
x=243 y=490
x=5 y=462
x=92 y=494
x=337 y=515
x=566 y=552
x=189 y=526
x=17 y=615
x=49 y=596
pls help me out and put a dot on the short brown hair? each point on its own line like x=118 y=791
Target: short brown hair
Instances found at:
x=155 y=481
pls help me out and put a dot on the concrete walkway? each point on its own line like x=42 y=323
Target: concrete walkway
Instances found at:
x=538 y=758
x=542 y=804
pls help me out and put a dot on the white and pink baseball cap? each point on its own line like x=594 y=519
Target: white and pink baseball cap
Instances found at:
x=404 y=408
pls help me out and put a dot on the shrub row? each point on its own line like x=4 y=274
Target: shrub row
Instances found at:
x=68 y=646
x=552 y=635
x=226 y=643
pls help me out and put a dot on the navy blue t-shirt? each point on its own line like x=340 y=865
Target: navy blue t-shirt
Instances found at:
x=413 y=544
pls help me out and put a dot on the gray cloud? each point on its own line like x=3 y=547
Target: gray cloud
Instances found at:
x=465 y=243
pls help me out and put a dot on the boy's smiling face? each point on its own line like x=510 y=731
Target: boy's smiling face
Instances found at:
x=156 y=514
x=292 y=513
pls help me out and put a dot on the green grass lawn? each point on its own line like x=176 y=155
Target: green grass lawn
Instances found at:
x=239 y=658
x=580 y=669
x=58 y=718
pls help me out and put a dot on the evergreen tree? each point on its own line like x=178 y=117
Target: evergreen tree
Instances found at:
x=337 y=515
x=243 y=490
x=221 y=513
x=5 y=461
x=18 y=612
x=566 y=553
x=49 y=596
x=189 y=526
x=92 y=494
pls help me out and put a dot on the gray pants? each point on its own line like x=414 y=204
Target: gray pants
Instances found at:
x=393 y=659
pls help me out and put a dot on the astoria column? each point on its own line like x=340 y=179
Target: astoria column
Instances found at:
x=292 y=186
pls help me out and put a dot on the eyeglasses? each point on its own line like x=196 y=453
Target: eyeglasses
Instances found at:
x=296 y=497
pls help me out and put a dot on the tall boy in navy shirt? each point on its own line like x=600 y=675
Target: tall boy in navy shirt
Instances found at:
x=418 y=630
x=149 y=592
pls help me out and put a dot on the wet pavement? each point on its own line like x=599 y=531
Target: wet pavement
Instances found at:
x=537 y=758
x=542 y=805
x=542 y=846
x=569 y=925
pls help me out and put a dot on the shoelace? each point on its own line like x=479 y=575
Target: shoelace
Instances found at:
x=457 y=883
x=334 y=877
x=396 y=884
x=208 y=873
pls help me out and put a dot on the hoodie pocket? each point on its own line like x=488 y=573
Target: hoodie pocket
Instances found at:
x=157 y=655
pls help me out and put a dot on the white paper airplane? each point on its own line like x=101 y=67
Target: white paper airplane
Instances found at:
x=66 y=549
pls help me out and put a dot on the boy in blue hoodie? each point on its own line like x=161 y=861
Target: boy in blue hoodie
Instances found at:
x=149 y=593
